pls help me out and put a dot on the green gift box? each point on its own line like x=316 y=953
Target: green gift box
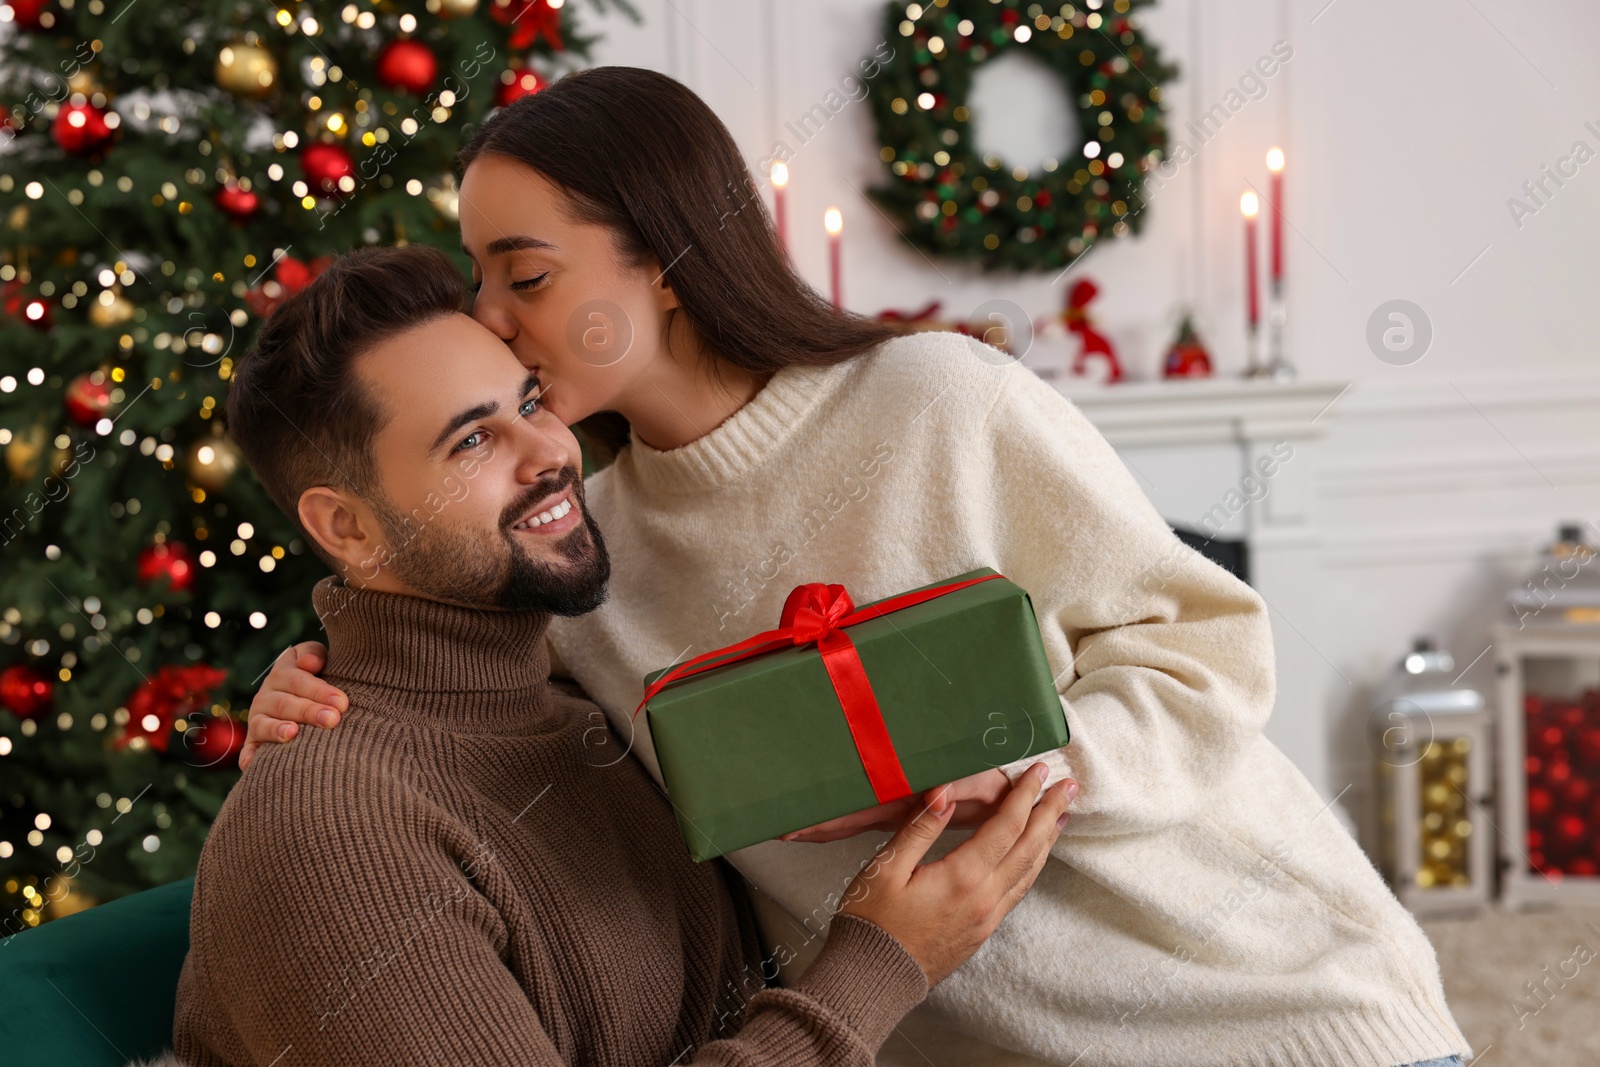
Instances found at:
x=756 y=747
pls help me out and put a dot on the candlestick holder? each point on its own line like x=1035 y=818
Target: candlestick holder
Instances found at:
x=1278 y=366
x=1254 y=368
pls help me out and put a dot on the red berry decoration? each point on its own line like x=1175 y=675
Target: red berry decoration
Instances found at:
x=87 y=400
x=407 y=66
x=214 y=741
x=238 y=204
x=324 y=165
x=24 y=691
x=26 y=14
x=81 y=129
x=516 y=84
x=170 y=561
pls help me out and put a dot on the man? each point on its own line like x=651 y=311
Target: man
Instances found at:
x=448 y=878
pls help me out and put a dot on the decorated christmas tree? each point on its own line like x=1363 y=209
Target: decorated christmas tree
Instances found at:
x=169 y=171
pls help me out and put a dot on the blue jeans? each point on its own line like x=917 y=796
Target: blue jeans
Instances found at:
x=1448 y=1061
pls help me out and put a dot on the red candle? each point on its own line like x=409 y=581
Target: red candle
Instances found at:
x=1250 y=206
x=833 y=222
x=1275 y=165
x=780 y=179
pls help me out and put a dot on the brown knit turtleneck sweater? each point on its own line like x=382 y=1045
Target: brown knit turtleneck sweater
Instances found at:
x=453 y=876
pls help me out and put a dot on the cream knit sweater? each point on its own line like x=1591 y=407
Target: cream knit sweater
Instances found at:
x=1202 y=907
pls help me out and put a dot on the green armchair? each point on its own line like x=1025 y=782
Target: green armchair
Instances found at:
x=99 y=985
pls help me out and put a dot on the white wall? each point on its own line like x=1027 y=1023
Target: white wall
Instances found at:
x=1408 y=126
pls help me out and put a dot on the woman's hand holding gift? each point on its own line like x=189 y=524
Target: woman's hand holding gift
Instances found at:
x=976 y=798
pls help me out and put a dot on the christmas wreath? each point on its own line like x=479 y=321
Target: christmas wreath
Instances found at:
x=949 y=199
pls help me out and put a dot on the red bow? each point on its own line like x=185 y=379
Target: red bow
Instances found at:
x=289 y=277
x=529 y=18
x=168 y=695
x=817 y=613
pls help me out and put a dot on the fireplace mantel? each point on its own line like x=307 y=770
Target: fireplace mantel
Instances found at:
x=1205 y=410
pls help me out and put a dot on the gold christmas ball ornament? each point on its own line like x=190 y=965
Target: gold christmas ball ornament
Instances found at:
x=110 y=309
x=452 y=9
x=83 y=83
x=24 y=452
x=446 y=198
x=212 y=462
x=246 y=69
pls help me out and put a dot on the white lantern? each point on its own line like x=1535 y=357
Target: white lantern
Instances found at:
x=1548 y=729
x=1432 y=741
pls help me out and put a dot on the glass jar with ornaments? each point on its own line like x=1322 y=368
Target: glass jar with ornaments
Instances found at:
x=1431 y=739
x=1187 y=356
x=1547 y=651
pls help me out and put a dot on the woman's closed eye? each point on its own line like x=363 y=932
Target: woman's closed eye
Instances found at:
x=521 y=286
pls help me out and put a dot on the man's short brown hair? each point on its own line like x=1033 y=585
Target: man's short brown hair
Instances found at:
x=295 y=406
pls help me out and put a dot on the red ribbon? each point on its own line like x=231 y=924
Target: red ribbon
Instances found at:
x=818 y=614
x=922 y=314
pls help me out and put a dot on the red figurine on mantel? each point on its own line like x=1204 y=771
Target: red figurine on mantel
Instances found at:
x=1095 y=343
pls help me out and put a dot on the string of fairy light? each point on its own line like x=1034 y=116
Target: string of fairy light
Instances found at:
x=953 y=199
x=187 y=318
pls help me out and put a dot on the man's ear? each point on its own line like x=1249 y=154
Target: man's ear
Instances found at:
x=346 y=531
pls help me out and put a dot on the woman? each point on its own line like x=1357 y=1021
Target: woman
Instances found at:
x=1200 y=909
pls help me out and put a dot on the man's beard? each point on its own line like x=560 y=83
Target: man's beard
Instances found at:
x=442 y=561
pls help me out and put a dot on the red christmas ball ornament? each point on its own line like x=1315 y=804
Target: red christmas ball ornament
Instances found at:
x=82 y=129
x=325 y=165
x=238 y=204
x=88 y=400
x=169 y=560
x=214 y=741
x=1538 y=802
x=25 y=14
x=1583 y=866
x=1569 y=828
x=407 y=66
x=31 y=309
x=1574 y=792
x=516 y=84
x=24 y=691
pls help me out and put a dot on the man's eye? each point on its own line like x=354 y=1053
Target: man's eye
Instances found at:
x=529 y=407
x=469 y=441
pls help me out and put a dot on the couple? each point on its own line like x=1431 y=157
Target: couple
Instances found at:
x=1202 y=908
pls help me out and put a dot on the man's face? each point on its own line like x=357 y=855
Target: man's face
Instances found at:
x=480 y=497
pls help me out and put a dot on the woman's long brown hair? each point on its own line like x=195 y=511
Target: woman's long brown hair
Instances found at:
x=641 y=154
